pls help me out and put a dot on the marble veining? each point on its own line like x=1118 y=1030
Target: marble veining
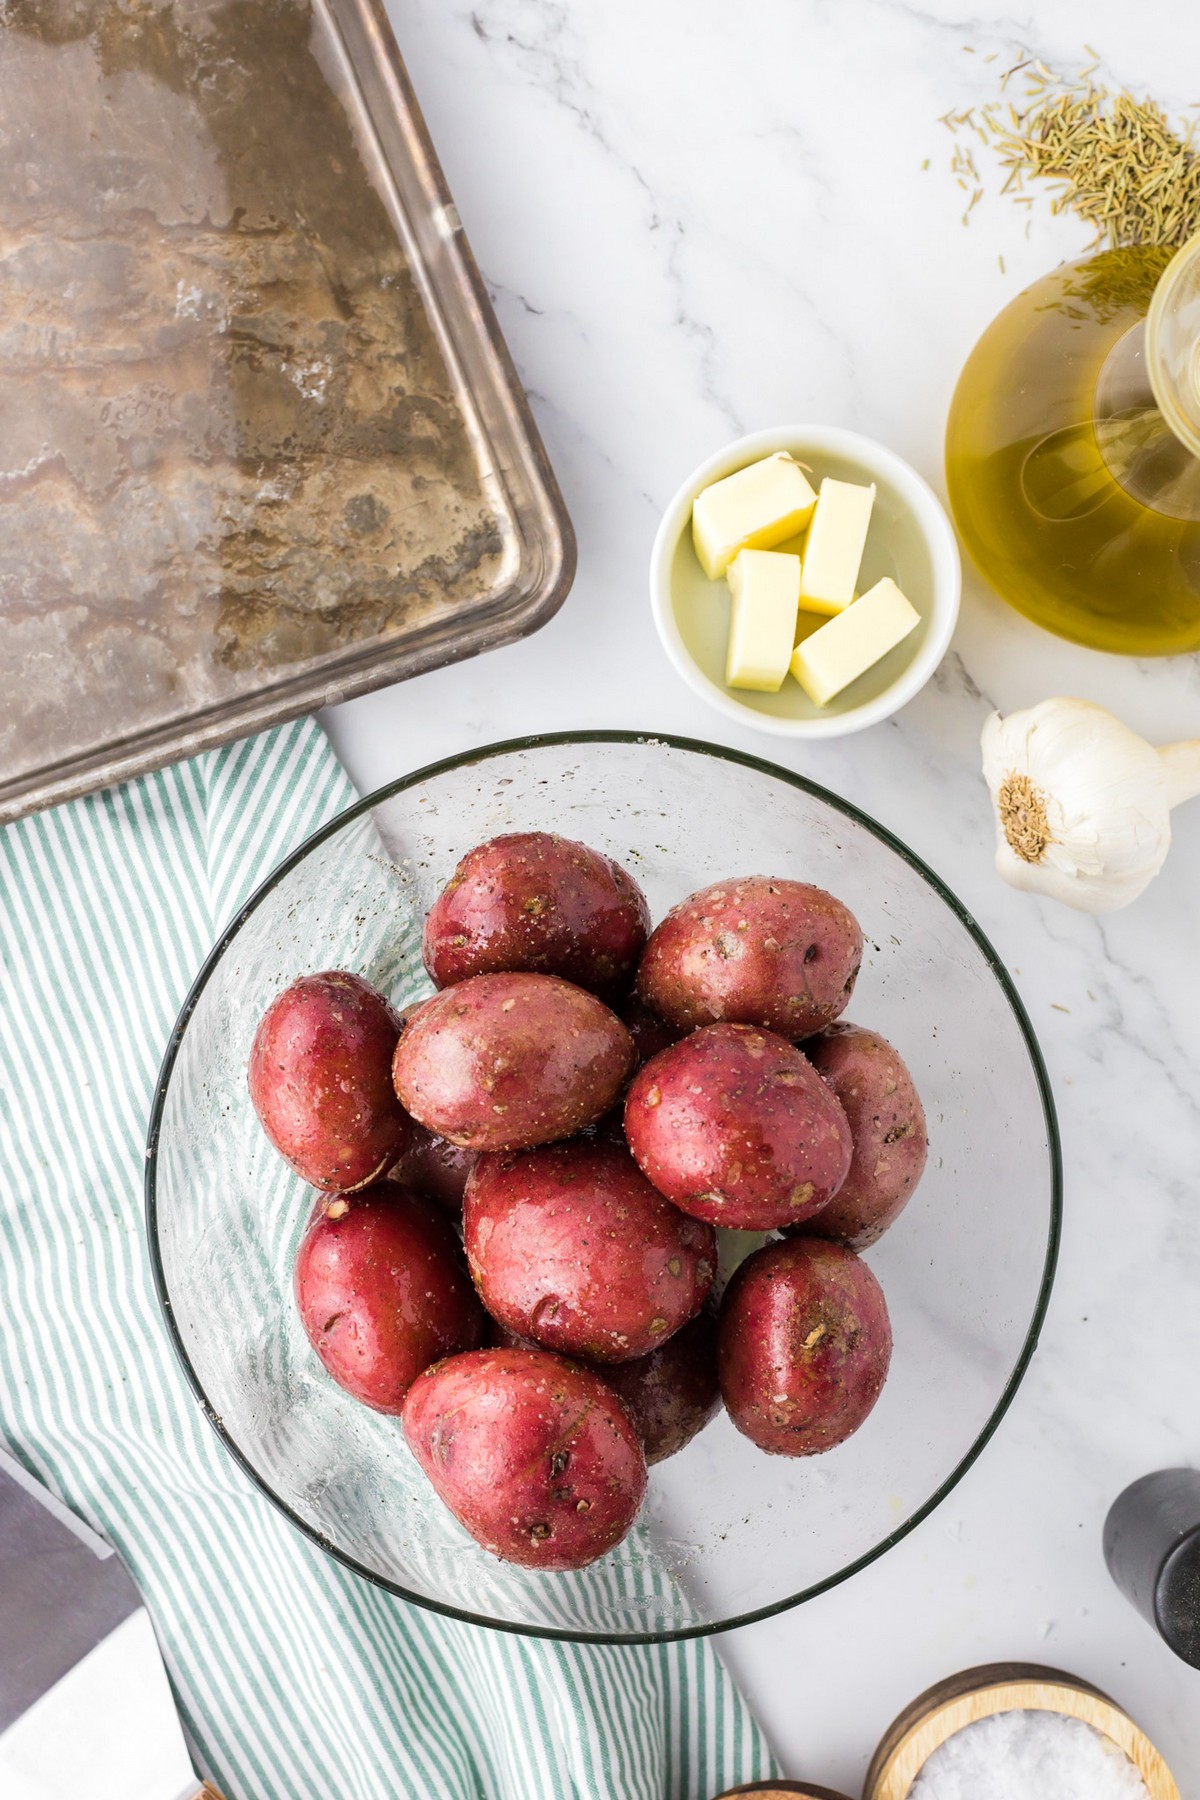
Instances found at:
x=699 y=219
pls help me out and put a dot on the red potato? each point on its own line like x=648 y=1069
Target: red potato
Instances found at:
x=650 y=1034
x=735 y=1126
x=609 y=1128
x=499 y=1337
x=434 y=1166
x=572 y=1247
x=672 y=1393
x=534 y=1455
x=803 y=1347
x=532 y=900
x=383 y=1293
x=775 y=953
x=321 y=1084
x=887 y=1124
x=503 y=1062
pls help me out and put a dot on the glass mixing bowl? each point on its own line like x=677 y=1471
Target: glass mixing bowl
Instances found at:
x=727 y=1534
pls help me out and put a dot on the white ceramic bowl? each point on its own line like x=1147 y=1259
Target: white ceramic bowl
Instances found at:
x=911 y=539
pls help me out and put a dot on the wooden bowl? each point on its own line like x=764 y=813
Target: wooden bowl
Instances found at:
x=783 y=1790
x=1004 y=1687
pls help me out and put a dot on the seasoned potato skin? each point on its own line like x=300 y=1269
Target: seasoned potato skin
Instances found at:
x=672 y=1393
x=887 y=1124
x=760 y=951
x=320 y=1080
x=534 y=1455
x=382 y=1291
x=436 y=1167
x=735 y=1126
x=804 y=1345
x=503 y=1062
x=533 y=900
x=571 y=1247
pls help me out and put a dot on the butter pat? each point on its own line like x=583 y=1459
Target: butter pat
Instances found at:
x=834 y=549
x=762 y=627
x=755 y=508
x=844 y=648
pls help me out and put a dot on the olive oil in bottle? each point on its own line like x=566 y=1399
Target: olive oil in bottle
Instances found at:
x=1073 y=451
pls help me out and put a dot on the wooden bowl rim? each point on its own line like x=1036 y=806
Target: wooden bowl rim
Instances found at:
x=948 y=1706
x=801 y=1790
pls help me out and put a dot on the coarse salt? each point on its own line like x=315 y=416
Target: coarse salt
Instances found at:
x=1028 y=1756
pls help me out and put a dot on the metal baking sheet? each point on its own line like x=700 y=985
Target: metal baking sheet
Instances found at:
x=261 y=444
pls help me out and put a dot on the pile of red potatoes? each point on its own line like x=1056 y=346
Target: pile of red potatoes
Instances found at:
x=594 y=1100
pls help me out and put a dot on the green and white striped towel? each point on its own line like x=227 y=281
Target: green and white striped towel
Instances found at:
x=296 y=1680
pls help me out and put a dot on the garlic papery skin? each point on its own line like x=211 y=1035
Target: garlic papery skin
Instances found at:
x=1083 y=804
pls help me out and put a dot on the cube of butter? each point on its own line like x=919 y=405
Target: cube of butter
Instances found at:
x=762 y=626
x=834 y=549
x=845 y=647
x=755 y=508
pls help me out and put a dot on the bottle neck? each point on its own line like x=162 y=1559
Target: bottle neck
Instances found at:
x=1173 y=345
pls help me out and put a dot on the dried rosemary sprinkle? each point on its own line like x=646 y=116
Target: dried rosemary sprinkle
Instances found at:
x=1120 y=163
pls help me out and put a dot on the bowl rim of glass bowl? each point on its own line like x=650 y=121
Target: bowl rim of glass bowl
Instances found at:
x=695 y=746
x=930 y=517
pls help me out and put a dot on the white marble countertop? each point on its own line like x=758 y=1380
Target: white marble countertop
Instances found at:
x=698 y=218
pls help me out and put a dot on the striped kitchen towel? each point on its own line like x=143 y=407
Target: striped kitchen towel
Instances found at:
x=296 y=1680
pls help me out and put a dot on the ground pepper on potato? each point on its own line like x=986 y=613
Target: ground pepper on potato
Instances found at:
x=533 y=900
x=735 y=1126
x=570 y=1246
x=760 y=951
x=506 y=1061
x=534 y=1455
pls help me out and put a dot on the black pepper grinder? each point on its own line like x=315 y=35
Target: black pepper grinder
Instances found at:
x=1152 y=1548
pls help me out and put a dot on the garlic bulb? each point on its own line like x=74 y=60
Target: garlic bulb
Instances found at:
x=1083 y=804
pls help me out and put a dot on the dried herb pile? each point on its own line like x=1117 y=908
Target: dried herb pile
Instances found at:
x=1119 y=162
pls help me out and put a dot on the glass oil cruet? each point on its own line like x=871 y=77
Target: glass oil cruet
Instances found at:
x=1073 y=451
